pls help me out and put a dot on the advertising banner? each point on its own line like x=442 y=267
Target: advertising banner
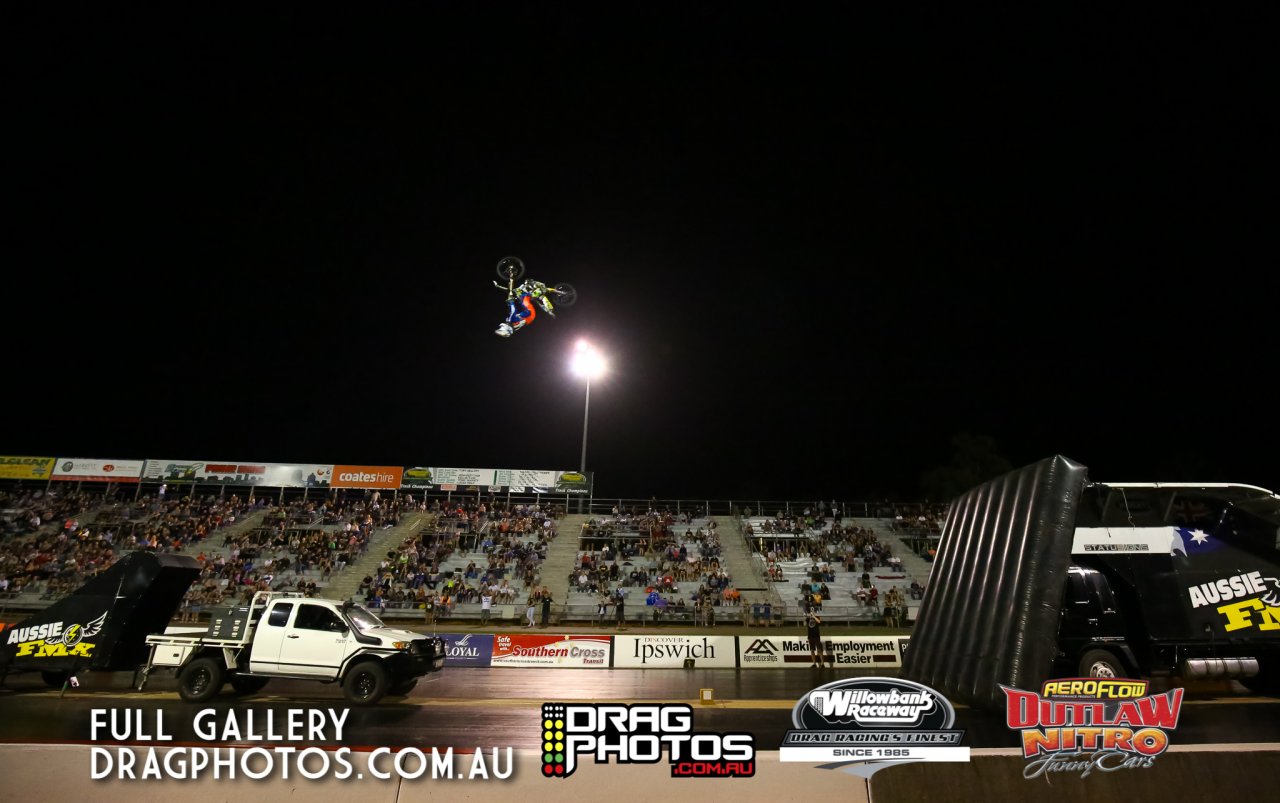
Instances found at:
x=510 y=477
x=539 y=482
x=72 y=468
x=386 y=477
x=465 y=476
x=271 y=475
x=670 y=652
x=517 y=649
x=469 y=649
x=573 y=482
x=780 y=652
x=25 y=468
x=418 y=477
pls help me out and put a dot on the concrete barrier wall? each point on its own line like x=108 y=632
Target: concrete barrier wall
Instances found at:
x=62 y=772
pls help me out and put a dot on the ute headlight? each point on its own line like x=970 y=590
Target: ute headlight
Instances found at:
x=400 y=645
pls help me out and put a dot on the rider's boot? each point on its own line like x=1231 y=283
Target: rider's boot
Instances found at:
x=504 y=330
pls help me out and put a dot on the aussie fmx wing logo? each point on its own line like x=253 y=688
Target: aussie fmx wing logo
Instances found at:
x=1272 y=597
x=77 y=633
x=53 y=640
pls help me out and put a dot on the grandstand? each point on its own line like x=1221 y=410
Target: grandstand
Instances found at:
x=432 y=558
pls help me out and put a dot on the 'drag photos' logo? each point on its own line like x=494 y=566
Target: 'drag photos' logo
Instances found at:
x=1086 y=724
x=862 y=725
x=640 y=734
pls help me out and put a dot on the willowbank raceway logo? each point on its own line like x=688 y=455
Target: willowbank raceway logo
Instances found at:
x=1085 y=724
x=863 y=725
x=641 y=734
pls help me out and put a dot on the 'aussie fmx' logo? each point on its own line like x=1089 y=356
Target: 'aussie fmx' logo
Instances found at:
x=1084 y=724
x=641 y=734
x=862 y=725
x=53 y=640
x=1247 y=600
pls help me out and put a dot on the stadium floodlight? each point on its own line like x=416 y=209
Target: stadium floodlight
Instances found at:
x=589 y=364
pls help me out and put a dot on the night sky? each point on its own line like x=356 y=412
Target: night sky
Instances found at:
x=814 y=246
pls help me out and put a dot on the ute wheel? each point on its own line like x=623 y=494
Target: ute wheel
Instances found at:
x=54 y=680
x=201 y=680
x=401 y=689
x=247 y=685
x=366 y=683
x=1101 y=664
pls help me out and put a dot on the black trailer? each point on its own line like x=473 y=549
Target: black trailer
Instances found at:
x=103 y=625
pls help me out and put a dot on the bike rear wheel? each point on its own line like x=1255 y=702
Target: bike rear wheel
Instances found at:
x=566 y=295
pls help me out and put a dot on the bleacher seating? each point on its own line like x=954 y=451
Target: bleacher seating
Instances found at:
x=443 y=570
x=844 y=570
x=666 y=566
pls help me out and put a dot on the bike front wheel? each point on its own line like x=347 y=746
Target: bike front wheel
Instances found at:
x=510 y=269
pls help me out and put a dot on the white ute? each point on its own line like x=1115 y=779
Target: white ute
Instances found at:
x=287 y=635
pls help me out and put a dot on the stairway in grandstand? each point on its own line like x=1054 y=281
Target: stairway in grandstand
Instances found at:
x=916 y=567
x=747 y=572
x=345 y=584
x=214 y=540
x=562 y=556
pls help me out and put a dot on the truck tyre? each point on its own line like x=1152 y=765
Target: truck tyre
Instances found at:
x=402 y=688
x=1101 y=664
x=366 y=683
x=201 y=680
x=247 y=685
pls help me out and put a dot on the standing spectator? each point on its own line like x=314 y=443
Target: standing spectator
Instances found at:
x=619 y=602
x=602 y=608
x=531 y=605
x=813 y=624
x=486 y=605
x=546 y=606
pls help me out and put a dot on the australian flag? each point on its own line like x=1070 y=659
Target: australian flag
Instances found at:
x=1194 y=542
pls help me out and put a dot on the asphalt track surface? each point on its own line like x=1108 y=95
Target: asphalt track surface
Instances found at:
x=466 y=707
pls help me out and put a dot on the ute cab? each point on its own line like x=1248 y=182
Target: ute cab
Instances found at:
x=291 y=636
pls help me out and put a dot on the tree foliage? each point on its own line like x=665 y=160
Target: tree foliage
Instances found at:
x=974 y=460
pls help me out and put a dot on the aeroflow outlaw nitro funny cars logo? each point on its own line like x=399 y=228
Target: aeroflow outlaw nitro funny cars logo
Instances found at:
x=862 y=725
x=1085 y=724
x=53 y=640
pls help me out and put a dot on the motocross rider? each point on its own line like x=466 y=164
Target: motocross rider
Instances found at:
x=520 y=304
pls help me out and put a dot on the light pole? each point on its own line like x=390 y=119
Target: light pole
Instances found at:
x=589 y=364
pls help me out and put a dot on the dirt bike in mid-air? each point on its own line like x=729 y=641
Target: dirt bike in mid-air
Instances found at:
x=524 y=299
